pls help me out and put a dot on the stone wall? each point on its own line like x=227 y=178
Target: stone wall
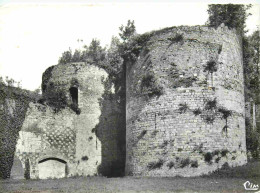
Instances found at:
x=76 y=135
x=46 y=134
x=187 y=121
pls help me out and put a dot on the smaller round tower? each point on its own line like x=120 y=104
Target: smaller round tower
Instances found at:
x=72 y=132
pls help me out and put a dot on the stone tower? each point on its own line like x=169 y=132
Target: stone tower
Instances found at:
x=74 y=129
x=185 y=103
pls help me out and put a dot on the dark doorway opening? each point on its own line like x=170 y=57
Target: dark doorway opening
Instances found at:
x=74 y=95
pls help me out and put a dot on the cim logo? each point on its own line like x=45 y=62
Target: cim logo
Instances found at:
x=250 y=186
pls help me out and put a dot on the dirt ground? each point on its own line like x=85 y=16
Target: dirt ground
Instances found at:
x=226 y=180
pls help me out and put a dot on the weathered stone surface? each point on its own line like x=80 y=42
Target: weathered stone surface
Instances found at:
x=164 y=135
x=81 y=140
x=181 y=118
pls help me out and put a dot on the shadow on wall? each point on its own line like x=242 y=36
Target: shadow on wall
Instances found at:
x=111 y=131
x=17 y=171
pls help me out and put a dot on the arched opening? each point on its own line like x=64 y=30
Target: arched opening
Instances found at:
x=17 y=171
x=52 y=168
x=74 y=96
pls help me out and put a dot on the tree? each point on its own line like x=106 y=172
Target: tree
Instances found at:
x=76 y=56
x=251 y=65
x=95 y=53
x=9 y=81
x=113 y=57
x=66 y=57
x=232 y=15
x=126 y=32
x=2 y=82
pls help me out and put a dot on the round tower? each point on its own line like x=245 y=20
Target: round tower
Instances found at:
x=74 y=129
x=185 y=103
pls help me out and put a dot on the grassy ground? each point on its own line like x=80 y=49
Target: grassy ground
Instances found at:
x=227 y=180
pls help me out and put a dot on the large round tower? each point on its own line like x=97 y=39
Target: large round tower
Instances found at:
x=185 y=103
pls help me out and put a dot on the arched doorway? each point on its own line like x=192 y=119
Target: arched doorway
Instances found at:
x=52 y=168
x=17 y=171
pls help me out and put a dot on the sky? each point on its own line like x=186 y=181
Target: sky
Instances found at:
x=34 y=34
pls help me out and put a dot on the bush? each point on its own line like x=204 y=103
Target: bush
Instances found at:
x=170 y=165
x=197 y=111
x=142 y=134
x=84 y=158
x=217 y=159
x=209 y=119
x=211 y=104
x=177 y=38
x=211 y=66
x=208 y=157
x=224 y=152
x=225 y=113
x=150 y=86
x=185 y=162
x=155 y=165
x=57 y=100
x=194 y=164
x=183 y=107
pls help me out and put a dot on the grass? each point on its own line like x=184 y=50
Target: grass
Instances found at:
x=225 y=180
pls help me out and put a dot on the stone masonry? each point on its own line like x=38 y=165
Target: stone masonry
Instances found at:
x=67 y=136
x=197 y=121
x=185 y=112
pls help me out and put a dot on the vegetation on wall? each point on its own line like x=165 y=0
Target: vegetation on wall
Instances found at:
x=178 y=38
x=13 y=106
x=225 y=114
x=149 y=85
x=155 y=164
x=183 y=107
x=211 y=67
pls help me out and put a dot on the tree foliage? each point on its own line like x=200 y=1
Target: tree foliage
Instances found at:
x=95 y=53
x=232 y=15
x=66 y=57
x=251 y=66
x=128 y=31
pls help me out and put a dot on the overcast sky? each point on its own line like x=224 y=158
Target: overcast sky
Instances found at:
x=34 y=35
